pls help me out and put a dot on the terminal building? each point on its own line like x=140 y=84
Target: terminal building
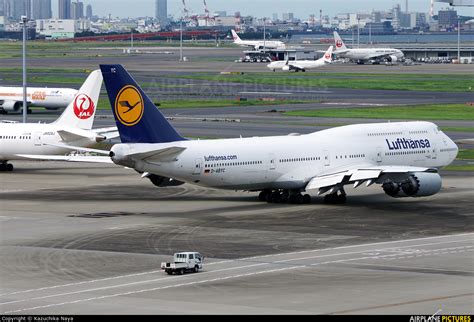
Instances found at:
x=291 y=53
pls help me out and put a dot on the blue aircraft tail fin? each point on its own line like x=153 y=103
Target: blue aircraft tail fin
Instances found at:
x=138 y=119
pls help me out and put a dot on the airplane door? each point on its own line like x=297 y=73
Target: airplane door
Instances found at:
x=434 y=154
x=379 y=155
x=38 y=139
x=272 y=164
x=197 y=167
x=327 y=158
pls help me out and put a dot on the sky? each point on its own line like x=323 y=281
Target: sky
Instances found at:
x=258 y=8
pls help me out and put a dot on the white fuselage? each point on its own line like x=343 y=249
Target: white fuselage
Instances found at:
x=259 y=44
x=289 y=162
x=37 y=139
x=296 y=64
x=369 y=53
x=51 y=98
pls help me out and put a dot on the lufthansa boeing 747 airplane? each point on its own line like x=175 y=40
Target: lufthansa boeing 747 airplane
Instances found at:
x=402 y=157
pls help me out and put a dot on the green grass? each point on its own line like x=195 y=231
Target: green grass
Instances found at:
x=417 y=112
x=48 y=79
x=465 y=154
x=408 y=82
x=104 y=103
x=466 y=167
x=44 y=70
x=457 y=129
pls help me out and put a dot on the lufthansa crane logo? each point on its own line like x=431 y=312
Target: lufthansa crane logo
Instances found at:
x=129 y=106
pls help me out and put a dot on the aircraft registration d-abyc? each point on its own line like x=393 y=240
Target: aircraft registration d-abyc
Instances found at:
x=403 y=157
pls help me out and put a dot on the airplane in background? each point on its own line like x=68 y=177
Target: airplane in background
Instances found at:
x=361 y=55
x=257 y=44
x=402 y=156
x=11 y=98
x=71 y=130
x=302 y=65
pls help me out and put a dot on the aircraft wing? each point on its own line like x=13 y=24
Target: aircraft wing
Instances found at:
x=79 y=148
x=70 y=158
x=296 y=66
x=358 y=175
x=379 y=56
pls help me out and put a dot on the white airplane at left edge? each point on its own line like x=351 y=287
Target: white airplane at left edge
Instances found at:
x=403 y=157
x=71 y=130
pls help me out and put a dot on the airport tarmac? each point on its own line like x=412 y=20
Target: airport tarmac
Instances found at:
x=78 y=239
x=89 y=240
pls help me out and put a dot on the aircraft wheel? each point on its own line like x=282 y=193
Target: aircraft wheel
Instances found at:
x=269 y=198
x=299 y=199
x=292 y=199
x=276 y=197
x=9 y=167
x=306 y=199
x=262 y=196
x=285 y=196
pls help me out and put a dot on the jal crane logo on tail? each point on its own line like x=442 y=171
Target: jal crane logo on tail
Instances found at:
x=129 y=106
x=327 y=56
x=339 y=43
x=83 y=106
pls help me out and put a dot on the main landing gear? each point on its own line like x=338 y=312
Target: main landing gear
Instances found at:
x=284 y=196
x=335 y=198
x=5 y=166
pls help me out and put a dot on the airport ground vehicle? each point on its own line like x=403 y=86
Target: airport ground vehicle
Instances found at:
x=183 y=262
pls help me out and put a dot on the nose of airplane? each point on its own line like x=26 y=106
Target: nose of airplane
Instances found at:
x=455 y=150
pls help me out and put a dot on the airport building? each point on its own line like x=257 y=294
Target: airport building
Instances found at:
x=61 y=28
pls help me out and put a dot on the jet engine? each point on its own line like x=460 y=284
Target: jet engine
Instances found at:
x=418 y=184
x=285 y=68
x=160 y=181
x=392 y=58
x=11 y=106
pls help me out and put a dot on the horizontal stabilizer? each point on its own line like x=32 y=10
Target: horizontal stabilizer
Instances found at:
x=108 y=132
x=69 y=136
x=166 y=154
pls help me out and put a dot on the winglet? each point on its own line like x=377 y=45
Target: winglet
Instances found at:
x=137 y=118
